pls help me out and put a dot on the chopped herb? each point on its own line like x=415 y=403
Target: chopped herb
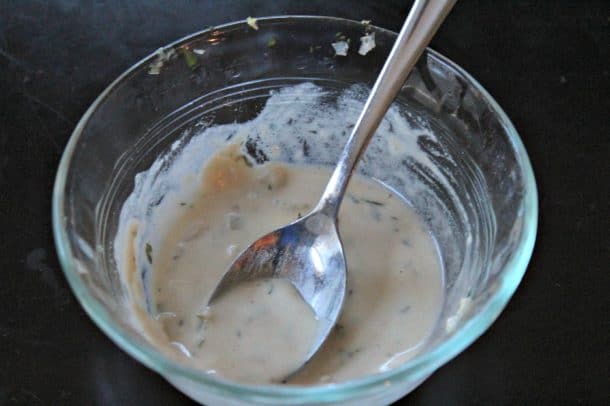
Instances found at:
x=234 y=221
x=349 y=354
x=305 y=148
x=158 y=290
x=189 y=57
x=272 y=42
x=159 y=200
x=373 y=202
x=255 y=152
x=405 y=309
x=299 y=215
x=354 y=199
x=375 y=213
x=246 y=160
x=252 y=22
x=182 y=203
x=269 y=186
x=180 y=322
x=163 y=55
x=148 y=251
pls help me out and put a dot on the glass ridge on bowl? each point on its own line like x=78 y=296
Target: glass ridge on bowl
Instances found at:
x=224 y=74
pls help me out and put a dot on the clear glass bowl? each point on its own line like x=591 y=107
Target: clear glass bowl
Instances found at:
x=480 y=203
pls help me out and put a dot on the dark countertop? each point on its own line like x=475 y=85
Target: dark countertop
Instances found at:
x=546 y=62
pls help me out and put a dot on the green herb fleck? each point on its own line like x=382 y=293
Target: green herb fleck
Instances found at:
x=375 y=213
x=246 y=160
x=349 y=354
x=269 y=186
x=373 y=202
x=272 y=42
x=252 y=22
x=299 y=215
x=148 y=251
x=189 y=57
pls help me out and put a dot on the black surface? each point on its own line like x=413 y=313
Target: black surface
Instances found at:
x=545 y=62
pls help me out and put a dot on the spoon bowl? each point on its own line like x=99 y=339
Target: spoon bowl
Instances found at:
x=308 y=253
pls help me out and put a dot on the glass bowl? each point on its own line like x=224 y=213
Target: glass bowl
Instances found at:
x=479 y=201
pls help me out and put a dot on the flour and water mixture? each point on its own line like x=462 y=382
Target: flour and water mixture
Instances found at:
x=186 y=221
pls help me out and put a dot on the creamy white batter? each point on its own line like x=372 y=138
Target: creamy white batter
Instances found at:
x=260 y=331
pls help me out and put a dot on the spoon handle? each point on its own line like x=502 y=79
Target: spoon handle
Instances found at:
x=420 y=26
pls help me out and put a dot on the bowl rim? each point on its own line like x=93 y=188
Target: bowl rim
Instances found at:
x=416 y=369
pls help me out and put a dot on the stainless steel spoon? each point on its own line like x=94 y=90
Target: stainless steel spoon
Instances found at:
x=309 y=252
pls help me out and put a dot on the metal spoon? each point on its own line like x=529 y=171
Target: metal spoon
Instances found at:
x=309 y=252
